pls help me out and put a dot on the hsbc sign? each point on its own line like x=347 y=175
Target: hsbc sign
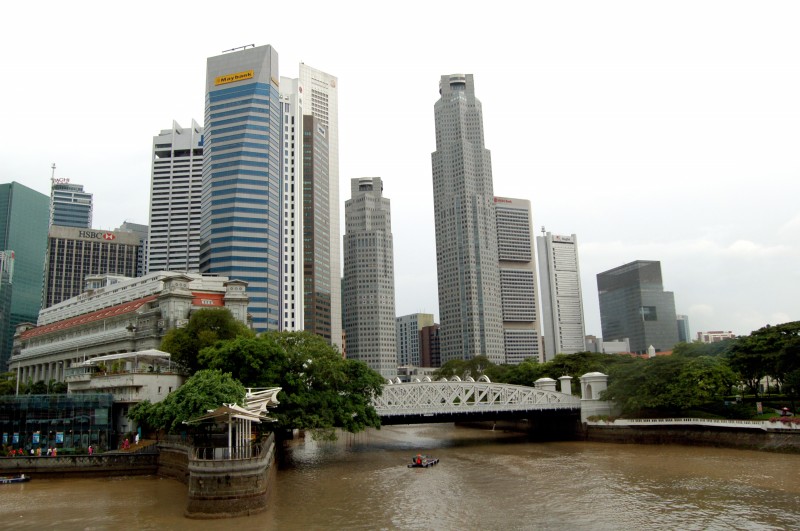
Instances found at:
x=97 y=235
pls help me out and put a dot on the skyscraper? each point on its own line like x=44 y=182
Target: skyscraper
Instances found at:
x=368 y=284
x=634 y=305
x=311 y=194
x=316 y=230
x=409 y=335
x=70 y=205
x=176 y=186
x=241 y=198
x=24 y=215
x=684 y=334
x=73 y=254
x=466 y=232
x=521 y=329
x=321 y=93
x=562 y=302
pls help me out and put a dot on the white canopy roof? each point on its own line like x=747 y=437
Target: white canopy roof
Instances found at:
x=147 y=356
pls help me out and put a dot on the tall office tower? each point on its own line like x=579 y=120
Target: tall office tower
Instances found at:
x=6 y=286
x=684 y=334
x=368 y=285
x=24 y=215
x=314 y=94
x=292 y=290
x=73 y=254
x=321 y=94
x=521 y=329
x=429 y=348
x=241 y=198
x=466 y=231
x=176 y=186
x=409 y=328
x=562 y=301
x=141 y=231
x=633 y=304
x=70 y=206
x=316 y=230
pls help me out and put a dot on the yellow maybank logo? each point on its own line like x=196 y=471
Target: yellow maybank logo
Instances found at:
x=232 y=78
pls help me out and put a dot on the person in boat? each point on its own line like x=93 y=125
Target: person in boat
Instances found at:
x=419 y=459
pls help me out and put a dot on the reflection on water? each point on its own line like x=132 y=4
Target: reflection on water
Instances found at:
x=485 y=480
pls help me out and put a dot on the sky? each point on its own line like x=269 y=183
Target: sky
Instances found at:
x=664 y=131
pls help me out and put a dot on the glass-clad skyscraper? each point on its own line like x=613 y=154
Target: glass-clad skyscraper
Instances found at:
x=240 y=227
x=70 y=205
x=24 y=215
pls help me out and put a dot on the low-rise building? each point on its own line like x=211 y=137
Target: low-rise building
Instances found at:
x=714 y=336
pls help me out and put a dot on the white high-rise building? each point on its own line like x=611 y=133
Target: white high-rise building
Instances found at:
x=466 y=232
x=314 y=93
x=562 y=302
x=408 y=329
x=368 y=284
x=176 y=185
x=521 y=328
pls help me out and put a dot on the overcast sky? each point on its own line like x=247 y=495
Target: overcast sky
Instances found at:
x=662 y=131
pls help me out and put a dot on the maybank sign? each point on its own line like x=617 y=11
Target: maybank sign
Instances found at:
x=233 y=78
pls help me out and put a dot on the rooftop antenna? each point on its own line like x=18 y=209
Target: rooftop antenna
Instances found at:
x=239 y=48
x=543 y=232
x=53 y=175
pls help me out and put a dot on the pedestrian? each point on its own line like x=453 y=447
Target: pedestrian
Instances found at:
x=136 y=439
x=49 y=452
x=90 y=449
x=55 y=452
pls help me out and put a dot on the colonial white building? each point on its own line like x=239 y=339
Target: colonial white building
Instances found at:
x=126 y=316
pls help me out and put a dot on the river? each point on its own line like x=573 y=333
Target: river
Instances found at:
x=485 y=480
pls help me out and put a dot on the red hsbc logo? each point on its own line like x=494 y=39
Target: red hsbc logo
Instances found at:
x=97 y=235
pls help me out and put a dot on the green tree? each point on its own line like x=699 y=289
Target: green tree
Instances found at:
x=321 y=391
x=763 y=353
x=668 y=384
x=205 y=328
x=207 y=389
x=8 y=383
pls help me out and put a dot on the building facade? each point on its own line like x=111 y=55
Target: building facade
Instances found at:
x=70 y=205
x=634 y=305
x=240 y=230
x=176 y=185
x=562 y=300
x=521 y=328
x=321 y=100
x=715 y=336
x=368 y=283
x=429 y=347
x=466 y=233
x=409 y=328
x=74 y=254
x=128 y=315
x=684 y=335
x=24 y=216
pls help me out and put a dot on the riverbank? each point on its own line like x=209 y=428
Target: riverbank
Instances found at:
x=743 y=434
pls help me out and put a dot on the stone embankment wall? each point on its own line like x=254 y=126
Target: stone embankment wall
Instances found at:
x=703 y=434
x=224 y=488
x=102 y=465
x=173 y=461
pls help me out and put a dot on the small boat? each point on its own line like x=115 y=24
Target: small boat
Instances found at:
x=15 y=479
x=423 y=461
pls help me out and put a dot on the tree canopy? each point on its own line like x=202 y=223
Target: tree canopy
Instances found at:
x=207 y=389
x=320 y=390
x=205 y=328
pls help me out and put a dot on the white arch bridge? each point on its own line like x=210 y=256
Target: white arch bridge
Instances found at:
x=458 y=401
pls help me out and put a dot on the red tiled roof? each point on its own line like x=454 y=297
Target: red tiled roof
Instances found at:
x=99 y=315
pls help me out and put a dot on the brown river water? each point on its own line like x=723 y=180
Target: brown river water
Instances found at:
x=486 y=480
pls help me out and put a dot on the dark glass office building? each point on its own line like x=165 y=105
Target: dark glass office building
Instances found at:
x=24 y=215
x=67 y=422
x=634 y=305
